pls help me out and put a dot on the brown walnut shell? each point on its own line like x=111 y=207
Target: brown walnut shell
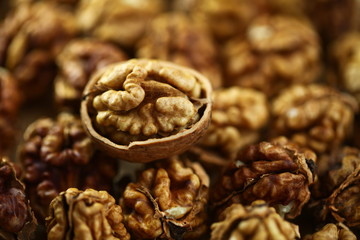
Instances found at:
x=152 y=131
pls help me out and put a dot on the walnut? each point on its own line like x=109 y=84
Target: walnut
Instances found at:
x=167 y=201
x=257 y=221
x=120 y=21
x=88 y=214
x=178 y=38
x=16 y=218
x=29 y=38
x=275 y=52
x=10 y=99
x=238 y=114
x=79 y=59
x=315 y=116
x=332 y=232
x=345 y=56
x=278 y=172
x=142 y=110
x=58 y=154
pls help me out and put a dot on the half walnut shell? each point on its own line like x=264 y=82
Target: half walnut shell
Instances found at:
x=143 y=110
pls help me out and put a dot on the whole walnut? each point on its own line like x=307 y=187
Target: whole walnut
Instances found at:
x=16 y=219
x=179 y=38
x=167 y=201
x=58 y=154
x=254 y=222
x=278 y=172
x=88 y=214
x=79 y=59
x=143 y=110
x=10 y=99
x=238 y=115
x=119 y=21
x=275 y=52
x=315 y=116
x=29 y=39
x=332 y=232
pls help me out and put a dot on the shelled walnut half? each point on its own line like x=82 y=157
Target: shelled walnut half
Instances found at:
x=332 y=232
x=88 y=214
x=254 y=222
x=143 y=110
x=17 y=221
x=167 y=201
x=278 y=172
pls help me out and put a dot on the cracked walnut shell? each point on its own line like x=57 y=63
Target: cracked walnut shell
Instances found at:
x=88 y=214
x=254 y=222
x=278 y=172
x=168 y=201
x=143 y=110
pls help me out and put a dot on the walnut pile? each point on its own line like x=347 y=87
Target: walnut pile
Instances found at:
x=178 y=38
x=278 y=172
x=10 y=99
x=30 y=37
x=79 y=59
x=16 y=218
x=88 y=214
x=332 y=232
x=58 y=154
x=315 y=116
x=238 y=114
x=167 y=201
x=119 y=21
x=275 y=52
x=146 y=104
x=345 y=56
x=257 y=221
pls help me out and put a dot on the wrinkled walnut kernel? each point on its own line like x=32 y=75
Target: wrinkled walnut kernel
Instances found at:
x=146 y=104
x=278 y=172
x=88 y=214
x=257 y=221
x=167 y=202
x=332 y=232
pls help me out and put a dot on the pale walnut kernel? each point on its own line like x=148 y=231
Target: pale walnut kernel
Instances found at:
x=332 y=232
x=88 y=214
x=257 y=221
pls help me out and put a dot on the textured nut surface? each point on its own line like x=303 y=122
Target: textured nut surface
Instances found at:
x=278 y=172
x=10 y=98
x=332 y=232
x=275 y=52
x=58 y=154
x=257 y=221
x=237 y=116
x=142 y=110
x=88 y=214
x=79 y=59
x=178 y=38
x=29 y=37
x=167 y=201
x=16 y=219
x=315 y=116
x=119 y=21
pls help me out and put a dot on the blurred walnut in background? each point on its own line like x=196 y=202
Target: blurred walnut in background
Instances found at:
x=278 y=172
x=257 y=221
x=10 y=98
x=332 y=232
x=30 y=37
x=57 y=154
x=79 y=59
x=315 y=116
x=275 y=52
x=179 y=38
x=167 y=201
x=88 y=214
x=16 y=219
x=119 y=21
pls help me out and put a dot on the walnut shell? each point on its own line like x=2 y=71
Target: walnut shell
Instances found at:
x=174 y=100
